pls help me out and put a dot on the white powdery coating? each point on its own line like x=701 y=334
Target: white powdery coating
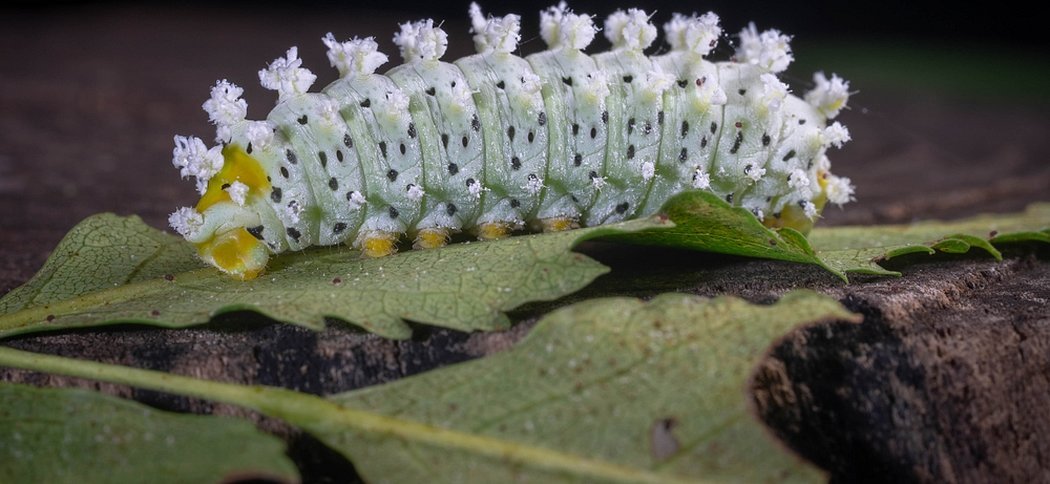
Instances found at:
x=835 y=135
x=596 y=87
x=415 y=193
x=798 y=181
x=830 y=95
x=770 y=50
x=186 y=221
x=286 y=76
x=533 y=185
x=773 y=92
x=560 y=28
x=530 y=82
x=598 y=182
x=500 y=34
x=354 y=57
x=839 y=190
x=421 y=41
x=693 y=33
x=630 y=30
x=356 y=201
x=648 y=170
x=292 y=212
x=657 y=81
x=225 y=107
x=237 y=191
x=754 y=173
x=259 y=133
x=194 y=159
x=475 y=189
x=701 y=180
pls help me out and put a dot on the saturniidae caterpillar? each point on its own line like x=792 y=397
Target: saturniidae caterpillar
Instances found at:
x=493 y=143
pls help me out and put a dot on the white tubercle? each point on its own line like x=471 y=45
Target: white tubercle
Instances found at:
x=530 y=82
x=799 y=181
x=754 y=173
x=701 y=180
x=499 y=34
x=839 y=190
x=195 y=159
x=711 y=92
x=533 y=185
x=186 y=221
x=773 y=92
x=421 y=41
x=560 y=28
x=354 y=57
x=829 y=96
x=648 y=170
x=598 y=182
x=225 y=107
x=286 y=76
x=810 y=209
x=657 y=81
x=415 y=192
x=259 y=133
x=836 y=135
x=770 y=50
x=356 y=201
x=237 y=191
x=630 y=30
x=595 y=88
x=693 y=33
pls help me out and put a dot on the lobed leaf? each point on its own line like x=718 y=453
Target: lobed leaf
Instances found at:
x=609 y=390
x=110 y=270
x=83 y=437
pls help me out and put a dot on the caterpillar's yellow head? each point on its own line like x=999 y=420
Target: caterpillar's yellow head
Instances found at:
x=220 y=226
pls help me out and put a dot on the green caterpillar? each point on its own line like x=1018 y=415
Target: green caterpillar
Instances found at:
x=494 y=143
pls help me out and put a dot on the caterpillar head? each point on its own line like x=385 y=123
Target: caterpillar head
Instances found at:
x=221 y=224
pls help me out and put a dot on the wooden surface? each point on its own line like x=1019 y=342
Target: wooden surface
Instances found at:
x=947 y=379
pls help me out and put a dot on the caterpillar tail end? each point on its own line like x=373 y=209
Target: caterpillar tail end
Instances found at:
x=235 y=252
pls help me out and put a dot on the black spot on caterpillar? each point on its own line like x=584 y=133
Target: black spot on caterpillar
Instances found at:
x=632 y=155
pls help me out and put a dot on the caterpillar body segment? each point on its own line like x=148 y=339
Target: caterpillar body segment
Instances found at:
x=492 y=143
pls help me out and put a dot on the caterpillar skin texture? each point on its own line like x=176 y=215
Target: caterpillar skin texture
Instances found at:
x=493 y=142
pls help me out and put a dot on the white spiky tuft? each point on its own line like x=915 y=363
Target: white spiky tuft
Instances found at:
x=186 y=221
x=839 y=190
x=773 y=92
x=835 y=135
x=770 y=50
x=648 y=170
x=238 y=192
x=701 y=180
x=829 y=96
x=259 y=133
x=693 y=33
x=225 y=108
x=287 y=76
x=533 y=185
x=499 y=34
x=798 y=181
x=415 y=192
x=195 y=159
x=630 y=30
x=560 y=28
x=421 y=40
x=530 y=82
x=356 y=201
x=810 y=209
x=354 y=57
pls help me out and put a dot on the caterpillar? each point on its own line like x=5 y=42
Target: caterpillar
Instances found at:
x=494 y=143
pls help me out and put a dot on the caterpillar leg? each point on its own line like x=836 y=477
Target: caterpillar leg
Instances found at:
x=559 y=224
x=235 y=252
x=378 y=243
x=431 y=238
x=494 y=230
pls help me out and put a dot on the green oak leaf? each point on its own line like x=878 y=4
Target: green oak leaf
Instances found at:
x=608 y=390
x=111 y=269
x=83 y=437
x=859 y=249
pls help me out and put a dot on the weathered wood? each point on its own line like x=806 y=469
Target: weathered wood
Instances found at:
x=945 y=380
